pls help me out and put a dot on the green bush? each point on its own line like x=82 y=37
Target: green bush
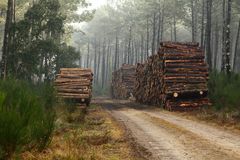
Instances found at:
x=99 y=91
x=224 y=91
x=26 y=118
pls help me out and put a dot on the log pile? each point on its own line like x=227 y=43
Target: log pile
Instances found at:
x=75 y=84
x=175 y=78
x=123 y=81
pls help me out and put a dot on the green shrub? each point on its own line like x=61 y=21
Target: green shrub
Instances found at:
x=99 y=91
x=224 y=91
x=26 y=119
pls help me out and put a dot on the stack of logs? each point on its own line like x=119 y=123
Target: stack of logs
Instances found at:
x=75 y=83
x=175 y=78
x=123 y=81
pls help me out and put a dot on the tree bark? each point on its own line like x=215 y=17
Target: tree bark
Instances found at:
x=88 y=55
x=224 y=36
x=80 y=57
x=95 y=60
x=216 y=46
x=103 y=63
x=142 y=49
x=193 y=21
x=147 y=43
x=98 y=64
x=202 y=26
x=7 y=39
x=175 y=27
x=228 y=37
x=154 y=32
x=116 y=55
x=107 y=63
x=129 y=45
x=159 y=29
x=236 y=49
x=208 y=33
x=162 y=21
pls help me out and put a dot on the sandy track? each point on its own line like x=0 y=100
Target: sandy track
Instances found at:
x=170 y=137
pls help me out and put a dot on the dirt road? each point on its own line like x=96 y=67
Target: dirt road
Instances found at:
x=170 y=137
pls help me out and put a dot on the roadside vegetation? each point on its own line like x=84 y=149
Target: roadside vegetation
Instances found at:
x=34 y=127
x=224 y=92
x=80 y=136
x=26 y=117
x=225 y=98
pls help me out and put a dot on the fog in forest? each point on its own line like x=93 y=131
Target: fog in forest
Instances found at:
x=128 y=31
x=100 y=79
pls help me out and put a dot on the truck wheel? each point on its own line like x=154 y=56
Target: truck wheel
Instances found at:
x=88 y=103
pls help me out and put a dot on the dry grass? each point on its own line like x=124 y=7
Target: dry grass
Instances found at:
x=228 y=120
x=95 y=137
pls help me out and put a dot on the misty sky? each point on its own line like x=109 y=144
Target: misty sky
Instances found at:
x=97 y=3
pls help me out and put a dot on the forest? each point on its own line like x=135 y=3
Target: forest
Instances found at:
x=40 y=37
x=129 y=31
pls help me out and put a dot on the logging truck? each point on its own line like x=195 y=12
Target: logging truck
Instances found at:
x=174 y=78
x=75 y=84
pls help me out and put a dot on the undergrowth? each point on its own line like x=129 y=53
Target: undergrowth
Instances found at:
x=98 y=90
x=224 y=91
x=26 y=117
x=225 y=97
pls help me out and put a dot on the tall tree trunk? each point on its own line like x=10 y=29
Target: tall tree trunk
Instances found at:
x=129 y=45
x=88 y=55
x=202 y=25
x=132 y=52
x=171 y=31
x=175 y=28
x=224 y=37
x=116 y=54
x=236 y=49
x=193 y=21
x=80 y=57
x=147 y=43
x=162 y=21
x=125 y=51
x=209 y=33
x=95 y=60
x=98 y=64
x=103 y=63
x=216 y=46
x=154 y=33
x=107 y=62
x=142 y=49
x=228 y=37
x=7 y=39
x=137 y=52
x=159 y=29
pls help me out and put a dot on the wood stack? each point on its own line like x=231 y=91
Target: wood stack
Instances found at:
x=175 y=78
x=148 y=88
x=75 y=84
x=123 y=81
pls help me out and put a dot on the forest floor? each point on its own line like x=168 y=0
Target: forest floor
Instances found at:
x=168 y=135
x=92 y=136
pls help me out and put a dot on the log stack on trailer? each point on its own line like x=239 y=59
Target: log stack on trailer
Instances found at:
x=123 y=81
x=179 y=76
x=75 y=84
